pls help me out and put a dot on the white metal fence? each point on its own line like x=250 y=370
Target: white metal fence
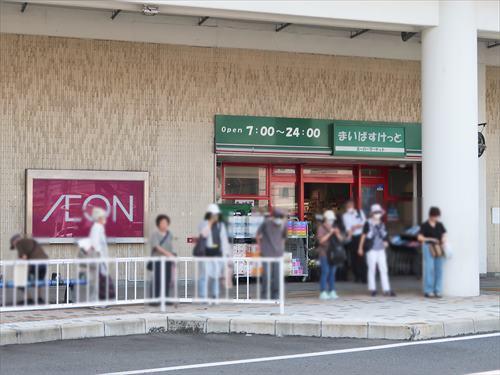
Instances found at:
x=97 y=282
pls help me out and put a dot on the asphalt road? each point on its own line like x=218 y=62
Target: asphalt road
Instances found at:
x=117 y=354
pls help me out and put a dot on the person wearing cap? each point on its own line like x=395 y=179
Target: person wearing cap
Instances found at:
x=99 y=243
x=29 y=249
x=374 y=241
x=271 y=236
x=98 y=232
x=325 y=232
x=214 y=233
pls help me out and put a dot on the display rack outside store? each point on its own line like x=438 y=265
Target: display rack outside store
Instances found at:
x=296 y=249
x=242 y=233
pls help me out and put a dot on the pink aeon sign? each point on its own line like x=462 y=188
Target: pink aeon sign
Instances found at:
x=62 y=208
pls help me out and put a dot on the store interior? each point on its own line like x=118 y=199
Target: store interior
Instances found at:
x=246 y=191
x=321 y=196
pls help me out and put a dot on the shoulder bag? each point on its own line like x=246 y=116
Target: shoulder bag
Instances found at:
x=200 y=249
x=336 y=253
x=149 y=266
x=436 y=250
x=368 y=243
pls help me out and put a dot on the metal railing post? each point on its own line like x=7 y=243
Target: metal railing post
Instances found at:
x=117 y=267
x=282 y=286
x=186 y=279
x=162 y=286
x=248 y=279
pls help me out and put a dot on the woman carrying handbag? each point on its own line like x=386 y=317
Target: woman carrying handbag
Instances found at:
x=329 y=239
x=432 y=235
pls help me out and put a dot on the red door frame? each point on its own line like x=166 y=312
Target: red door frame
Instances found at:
x=283 y=178
x=323 y=180
x=356 y=181
x=383 y=179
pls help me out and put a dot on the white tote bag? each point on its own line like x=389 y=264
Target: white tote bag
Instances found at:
x=448 y=250
x=20 y=275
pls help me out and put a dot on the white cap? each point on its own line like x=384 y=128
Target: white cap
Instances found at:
x=98 y=213
x=329 y=215
x=213 y=209
x=376 y=208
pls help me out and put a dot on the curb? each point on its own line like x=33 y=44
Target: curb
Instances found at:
x=155 y=323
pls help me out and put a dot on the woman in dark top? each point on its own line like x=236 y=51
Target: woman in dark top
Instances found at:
x=325 y=232
x=432 y=233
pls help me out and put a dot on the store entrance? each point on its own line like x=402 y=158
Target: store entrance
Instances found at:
x=319 y=197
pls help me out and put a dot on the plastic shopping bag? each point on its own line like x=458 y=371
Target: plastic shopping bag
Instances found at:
x=21 y=275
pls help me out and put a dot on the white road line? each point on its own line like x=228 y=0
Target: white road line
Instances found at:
x=303 y=355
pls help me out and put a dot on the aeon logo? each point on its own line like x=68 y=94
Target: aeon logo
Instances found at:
x=69 y=200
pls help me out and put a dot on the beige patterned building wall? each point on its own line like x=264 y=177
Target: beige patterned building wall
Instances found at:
x=91 y=104
x=492 y=133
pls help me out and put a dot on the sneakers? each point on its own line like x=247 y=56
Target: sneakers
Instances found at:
x=328 y=295
x=324 y=296
x=389 y=293
x=433 y=295
x=333 y=295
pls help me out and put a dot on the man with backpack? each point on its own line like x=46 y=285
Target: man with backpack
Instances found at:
x=354 y=220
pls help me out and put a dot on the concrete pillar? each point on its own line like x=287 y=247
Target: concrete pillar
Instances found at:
x=483 y=208
x=449 y=138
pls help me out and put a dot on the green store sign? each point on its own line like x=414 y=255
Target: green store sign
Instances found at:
x=248 y=134
x=293 y=135
x=351 y=139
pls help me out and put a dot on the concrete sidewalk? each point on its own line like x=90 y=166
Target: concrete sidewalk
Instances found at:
x=407 y=317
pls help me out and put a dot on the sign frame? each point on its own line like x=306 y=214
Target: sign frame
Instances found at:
x=79 y=174
x=246 y=146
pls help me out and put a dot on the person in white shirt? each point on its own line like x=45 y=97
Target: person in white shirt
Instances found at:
x=98 y=232
x=99 y=244
x=354 y=220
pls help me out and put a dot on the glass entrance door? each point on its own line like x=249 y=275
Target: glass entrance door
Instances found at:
x=372 y=193
x=319 y=197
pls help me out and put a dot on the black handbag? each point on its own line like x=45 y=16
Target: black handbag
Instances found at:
x=200 y=249
x=213 y=252
x=367 y=245
x=336 y=253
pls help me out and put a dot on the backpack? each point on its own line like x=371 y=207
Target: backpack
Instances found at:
x=335 y=254
x=368 y=244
